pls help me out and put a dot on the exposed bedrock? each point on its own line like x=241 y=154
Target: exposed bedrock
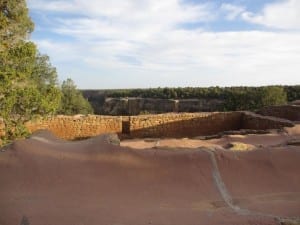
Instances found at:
x=94 y=182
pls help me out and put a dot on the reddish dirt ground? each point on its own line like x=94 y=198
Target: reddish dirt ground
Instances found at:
x=46 y=181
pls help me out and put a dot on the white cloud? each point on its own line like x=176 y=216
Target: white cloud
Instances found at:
x=283 y=15
x=128 y=11
x=121 y=19
x=145 y=42
x=232 y=11
x=265 y=57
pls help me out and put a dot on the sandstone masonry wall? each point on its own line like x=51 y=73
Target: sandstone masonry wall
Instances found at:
x=76 y=127
x=159 y=125
x=183 y=125
x=258 y=122
x=290 y=112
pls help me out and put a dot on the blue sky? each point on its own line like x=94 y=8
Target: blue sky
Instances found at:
x=104 y=44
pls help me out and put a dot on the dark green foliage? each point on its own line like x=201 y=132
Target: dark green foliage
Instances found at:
x=273 y=96
x=251 y=98
x=44 y=75
x=28 y=82
x=15 y=23
x=25 y=89
x=72 y=101
x=235 y=98
x=293 y=92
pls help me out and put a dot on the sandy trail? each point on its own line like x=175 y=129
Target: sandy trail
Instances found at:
x=45 y=180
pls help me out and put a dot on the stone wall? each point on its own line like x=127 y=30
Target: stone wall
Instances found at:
x=290 y=112
x=183 y=125
x=296 y=102
x=258 y=122
x=175 y=125
x=76 y=127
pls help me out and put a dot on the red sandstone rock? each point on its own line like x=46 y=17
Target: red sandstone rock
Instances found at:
x=50 y=181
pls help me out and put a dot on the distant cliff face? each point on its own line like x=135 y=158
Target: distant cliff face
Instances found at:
x=135 y=106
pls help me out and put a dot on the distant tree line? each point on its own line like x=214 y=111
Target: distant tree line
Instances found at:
x=235 y=98
x=28 y=82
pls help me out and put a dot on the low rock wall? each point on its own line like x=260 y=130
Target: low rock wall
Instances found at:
x=76 y=127
x=159 y=125
x=183 y=125
x=290 y=112
x=258 y=122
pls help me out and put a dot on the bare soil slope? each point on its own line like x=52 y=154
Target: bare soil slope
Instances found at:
x=47 y=181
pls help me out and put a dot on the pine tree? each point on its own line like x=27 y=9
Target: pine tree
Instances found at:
x=28 y=83
x=73 y=101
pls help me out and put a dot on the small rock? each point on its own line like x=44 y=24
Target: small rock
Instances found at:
x=294 y=142
x=289 y=221
x=238 y=146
